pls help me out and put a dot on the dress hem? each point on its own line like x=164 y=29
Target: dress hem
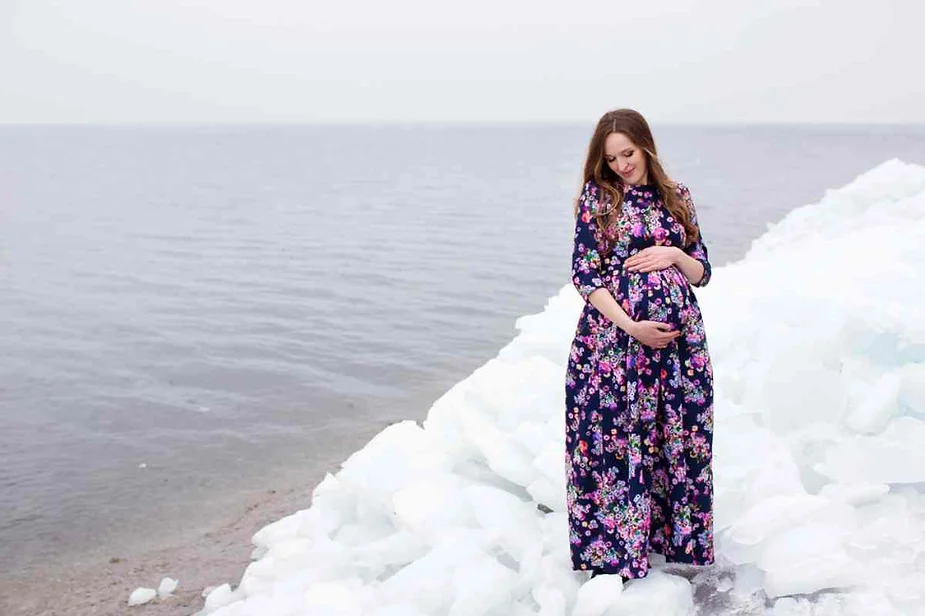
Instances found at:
x=668 y=560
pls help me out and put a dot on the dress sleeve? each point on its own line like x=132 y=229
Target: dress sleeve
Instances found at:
x=586 y=258
x=698 y=249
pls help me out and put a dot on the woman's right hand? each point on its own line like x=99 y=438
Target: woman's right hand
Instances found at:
x=653 y=334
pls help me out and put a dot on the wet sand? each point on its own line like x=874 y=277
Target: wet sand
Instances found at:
x=102 y=585
x=215 y=553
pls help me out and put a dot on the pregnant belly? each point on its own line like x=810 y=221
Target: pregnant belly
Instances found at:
x=653 y=296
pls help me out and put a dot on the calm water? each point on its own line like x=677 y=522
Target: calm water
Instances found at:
x=229 y=305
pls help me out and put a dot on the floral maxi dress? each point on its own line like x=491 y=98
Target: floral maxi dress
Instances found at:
x=639 y=420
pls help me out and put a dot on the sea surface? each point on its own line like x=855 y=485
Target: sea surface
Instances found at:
x=192 y=313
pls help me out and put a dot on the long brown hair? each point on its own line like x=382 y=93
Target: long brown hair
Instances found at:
x=634 y=126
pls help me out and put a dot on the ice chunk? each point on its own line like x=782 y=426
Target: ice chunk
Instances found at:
x=428 y=581
x=789 y=606
x=551 y=601
x=855 y=493
x=794 y=394
x=657 y=593
x=397 y=609
x=777 y=514
x=332 y=599
x=876 y=408
x=596 y=596
x=482 y=586
x=220 y=596
x=428 y=506
x=166 y=587
x=515 y=521
x=908 y=591
x=912 y=387
x=822 y=564
x=399 y=455
x=141 y=596
x=896 y=455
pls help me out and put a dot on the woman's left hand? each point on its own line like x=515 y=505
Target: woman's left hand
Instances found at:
x=652 y=258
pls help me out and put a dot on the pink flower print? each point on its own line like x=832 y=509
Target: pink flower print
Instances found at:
x=707 y=518
x=683 y=527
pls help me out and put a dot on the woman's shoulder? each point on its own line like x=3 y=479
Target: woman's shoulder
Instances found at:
x=591 y=187
x=591 y=194
x=680 y=188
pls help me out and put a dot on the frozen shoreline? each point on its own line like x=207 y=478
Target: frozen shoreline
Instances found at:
x=818 y=348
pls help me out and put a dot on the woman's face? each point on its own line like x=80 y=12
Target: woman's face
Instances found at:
x=625 y=159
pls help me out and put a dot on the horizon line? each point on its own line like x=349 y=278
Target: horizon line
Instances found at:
x=435 y=123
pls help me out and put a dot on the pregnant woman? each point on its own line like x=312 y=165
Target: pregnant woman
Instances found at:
x=639 y=384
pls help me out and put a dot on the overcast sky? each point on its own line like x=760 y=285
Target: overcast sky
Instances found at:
x=678 y=61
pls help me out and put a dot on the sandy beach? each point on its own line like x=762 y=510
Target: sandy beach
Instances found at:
x=210 y=554
x=101 y=586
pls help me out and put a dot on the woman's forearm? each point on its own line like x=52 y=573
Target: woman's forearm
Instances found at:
x=692 y=269
x=610 y=308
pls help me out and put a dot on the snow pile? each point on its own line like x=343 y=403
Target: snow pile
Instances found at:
x=818 y=342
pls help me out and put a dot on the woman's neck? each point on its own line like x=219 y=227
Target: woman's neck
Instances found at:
x=643 y=182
